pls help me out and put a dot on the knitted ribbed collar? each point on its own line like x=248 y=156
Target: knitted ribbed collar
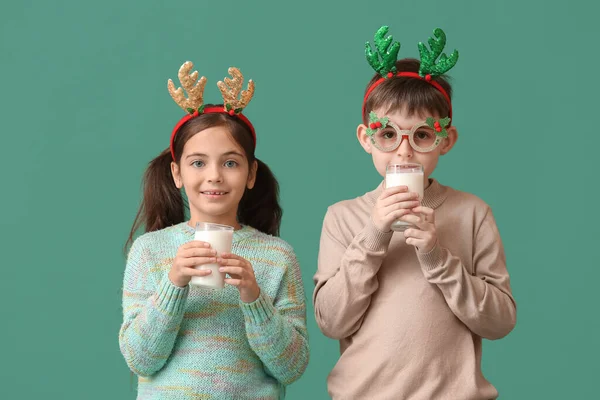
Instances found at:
x=434 y=195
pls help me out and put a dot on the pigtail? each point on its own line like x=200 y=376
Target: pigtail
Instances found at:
x=162 y=203
x=259 y=206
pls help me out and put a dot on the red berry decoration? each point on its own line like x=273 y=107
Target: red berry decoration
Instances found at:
x=389 y=75
x=231 y=112
x=428 y=77
x=378 y=124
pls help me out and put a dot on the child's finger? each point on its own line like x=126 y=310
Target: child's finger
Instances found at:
x=411 y=219
x=414 y=233
x=198 y=252
x=194 y=244
x=233 y=282
x=196 y=272
x=194 y=261
x=427 y=212
x=233 y=257
x=231 y=262
x=398 y=214
x=392 y=191
x=414 y=242
x=406 y=197
x=232 y=270
x=404 y=204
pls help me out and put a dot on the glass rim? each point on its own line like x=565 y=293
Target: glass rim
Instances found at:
x=404 y=167
x=219 y=227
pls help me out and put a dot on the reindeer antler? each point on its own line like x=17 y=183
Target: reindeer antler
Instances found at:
x=387 y=50
x=195 y=90
x=429 y=66
x=231 y=88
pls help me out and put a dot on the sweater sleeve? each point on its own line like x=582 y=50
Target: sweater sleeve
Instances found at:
x=482 y=301
x=276 y=328
x=346 y=275
x=152 y=314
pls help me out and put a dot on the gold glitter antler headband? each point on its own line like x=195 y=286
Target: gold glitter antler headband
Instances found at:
x=194 y=103
x=195 y=90
x=230 y=89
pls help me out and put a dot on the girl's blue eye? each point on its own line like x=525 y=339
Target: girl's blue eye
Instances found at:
x=197 y=164
x=230 y=164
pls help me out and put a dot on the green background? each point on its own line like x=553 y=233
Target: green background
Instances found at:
x=84 y=106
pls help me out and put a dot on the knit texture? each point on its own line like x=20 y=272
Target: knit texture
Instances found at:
x=200 y=343
x=411 y=324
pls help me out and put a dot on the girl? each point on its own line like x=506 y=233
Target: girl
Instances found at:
x=248 y=340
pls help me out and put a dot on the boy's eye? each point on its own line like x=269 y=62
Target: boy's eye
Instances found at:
x=197 y=163
x=230 y=164
x=387 y=134
x=423 y=135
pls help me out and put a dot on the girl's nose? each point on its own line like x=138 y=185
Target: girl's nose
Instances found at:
x=214 y=174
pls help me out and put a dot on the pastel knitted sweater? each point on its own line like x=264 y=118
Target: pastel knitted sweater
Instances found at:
x=199 y=343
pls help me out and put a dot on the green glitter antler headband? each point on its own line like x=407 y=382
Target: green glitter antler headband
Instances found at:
x=384 y=61
x=387 y=50
x=429 y=65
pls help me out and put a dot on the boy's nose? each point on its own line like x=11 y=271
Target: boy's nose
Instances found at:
x=404 y=149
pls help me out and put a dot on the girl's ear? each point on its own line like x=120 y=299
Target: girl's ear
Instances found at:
x=363 y=138
x=176 y=175
x=252 y=175
x=450 y=141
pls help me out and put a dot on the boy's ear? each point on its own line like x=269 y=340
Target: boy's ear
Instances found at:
x=450 y=141
x=363 y=138
x=176 y=175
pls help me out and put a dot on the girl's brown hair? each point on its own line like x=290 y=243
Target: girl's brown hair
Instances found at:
x=163 y=204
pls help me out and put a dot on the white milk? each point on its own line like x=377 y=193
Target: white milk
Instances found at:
x=220 y=240
x=414 y=181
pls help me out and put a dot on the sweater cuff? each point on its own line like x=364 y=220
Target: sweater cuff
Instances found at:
x=170 y=298
x=432 y=259
x=259 y=311
x=375 y=239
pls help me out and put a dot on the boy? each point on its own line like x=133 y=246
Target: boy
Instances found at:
x=410 y=308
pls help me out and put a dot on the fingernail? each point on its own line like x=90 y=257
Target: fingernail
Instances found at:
x=221 y=269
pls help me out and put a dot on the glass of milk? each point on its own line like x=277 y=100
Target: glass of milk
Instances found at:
x=408 y=174
x=220 y=238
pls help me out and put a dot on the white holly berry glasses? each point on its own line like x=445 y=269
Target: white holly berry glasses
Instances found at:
x=423 y=137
